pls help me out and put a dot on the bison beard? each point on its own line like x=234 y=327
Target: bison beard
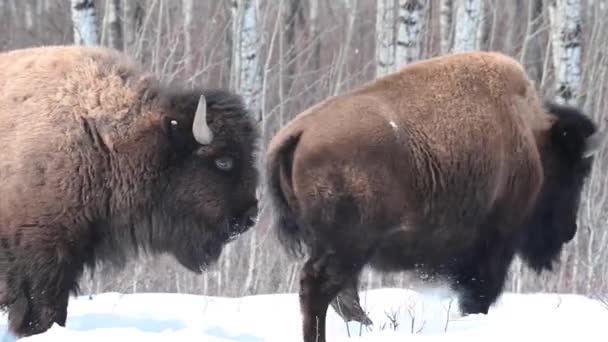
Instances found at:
x=101 y=162
x=449 y=166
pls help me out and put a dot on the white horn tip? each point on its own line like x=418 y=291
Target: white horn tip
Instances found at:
x=200 y=129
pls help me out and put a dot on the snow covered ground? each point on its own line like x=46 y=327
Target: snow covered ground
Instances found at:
x=398 y=315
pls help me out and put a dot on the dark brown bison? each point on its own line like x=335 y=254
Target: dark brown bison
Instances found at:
x=99 y=159
x=449 y=166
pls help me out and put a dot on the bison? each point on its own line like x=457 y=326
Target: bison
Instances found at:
x=449 y=166
x=101 y=160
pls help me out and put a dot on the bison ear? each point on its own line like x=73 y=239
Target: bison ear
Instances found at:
x=178 y=134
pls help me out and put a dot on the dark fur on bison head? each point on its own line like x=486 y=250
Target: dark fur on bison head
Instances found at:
x=567 y=161
x=100 y=161
x=208 y=194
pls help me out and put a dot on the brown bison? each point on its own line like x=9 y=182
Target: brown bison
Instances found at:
x=449 y=166
x=99 y=160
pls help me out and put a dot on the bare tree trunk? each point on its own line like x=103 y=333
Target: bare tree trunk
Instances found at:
x=187 y=9
x=84 y=21
x=467 y=25
x=12 y=8
x=351 y=10
x=245 y=66
x=488 y=24
x=29 y=15
x=516 y=10
x=565 y=18
x=293 y=11
x=385 y=37
x=445 y=24
x=315 y=33
x=409 y=34
x=251 y=265
x=133 y=14
x=114 y=24
x=532 y=54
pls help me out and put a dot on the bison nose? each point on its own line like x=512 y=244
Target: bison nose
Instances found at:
x=248 y=218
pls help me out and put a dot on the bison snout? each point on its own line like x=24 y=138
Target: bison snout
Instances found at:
x=569 y=232
x=241 y=223
x=249 y=217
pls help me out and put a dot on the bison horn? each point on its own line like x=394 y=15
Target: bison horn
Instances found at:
x=594 y=143
x=200 y=128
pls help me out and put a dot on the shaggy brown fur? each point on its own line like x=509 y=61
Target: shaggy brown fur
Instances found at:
x=435 y=168
x=98 y=160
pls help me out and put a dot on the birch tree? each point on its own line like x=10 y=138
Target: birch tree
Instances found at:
x=315 y=33
x=293 y=9
x=385 y=37
x=84 y=22
x=112 y=25
x=245 y=71
x=566 y=37
x=132 y=17
x=29 y=15
x=468 y=16
x=409 y=34
x=445 y=24
x=246 y=80
x=532 y=48
x=187 y=9
x=351 y=7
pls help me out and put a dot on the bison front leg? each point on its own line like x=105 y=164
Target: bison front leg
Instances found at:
x=480 y=281
x=35 y=314
x=321 y=279
x=39 y=291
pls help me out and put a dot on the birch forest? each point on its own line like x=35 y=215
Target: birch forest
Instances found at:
x=283 y=56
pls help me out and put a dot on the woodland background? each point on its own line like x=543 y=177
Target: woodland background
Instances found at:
x=286 y=55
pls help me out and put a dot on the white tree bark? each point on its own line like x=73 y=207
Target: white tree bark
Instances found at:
x=187 y=9
x=351 y=7
x=12 y=8
x=84 y=22
x=315 y=33
x=130 y=10
x=114 y=26
x=566 y=38
x=409 y=33
x=469 y=14
x=292 y=10
x=445 y=24
x=251 y=265
x=29 y=15
x=532 y=48
x=385 y=37
x=245 y=60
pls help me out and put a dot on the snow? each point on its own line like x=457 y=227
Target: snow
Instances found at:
x=263 y=318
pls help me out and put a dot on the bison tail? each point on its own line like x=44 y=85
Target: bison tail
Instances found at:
x=280 y=192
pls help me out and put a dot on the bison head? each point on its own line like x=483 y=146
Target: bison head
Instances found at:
x=567 y=157
x=206 y=195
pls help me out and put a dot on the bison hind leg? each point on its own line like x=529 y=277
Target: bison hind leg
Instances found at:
x=347 y=304
x=322 y=277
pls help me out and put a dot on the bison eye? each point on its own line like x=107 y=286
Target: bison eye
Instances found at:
x=224 y=163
